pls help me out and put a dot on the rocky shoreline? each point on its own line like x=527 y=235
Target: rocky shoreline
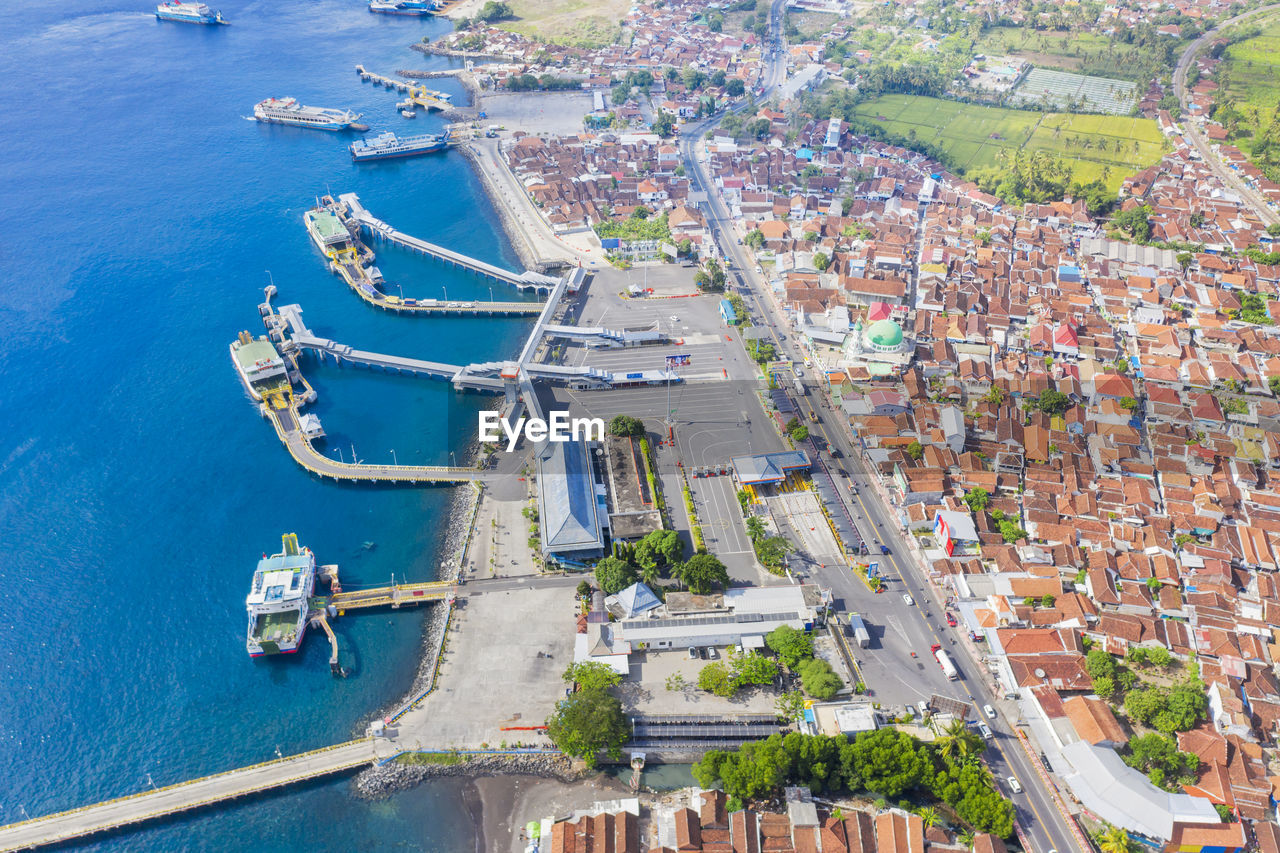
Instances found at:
x=459 y=514
x=528 y=259
x=435 y=50
x=383 y=780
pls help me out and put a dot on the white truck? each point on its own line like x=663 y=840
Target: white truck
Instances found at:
x=948 y=667
x=859 y=630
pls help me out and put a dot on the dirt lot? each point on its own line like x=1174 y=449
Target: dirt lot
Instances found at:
x=645 y=691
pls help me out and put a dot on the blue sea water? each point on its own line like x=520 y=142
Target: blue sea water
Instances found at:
x=138 y=485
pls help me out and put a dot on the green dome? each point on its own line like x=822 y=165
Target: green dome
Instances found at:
x=884 y=333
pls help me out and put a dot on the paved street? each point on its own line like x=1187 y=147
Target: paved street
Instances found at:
x=1192 y=130
x=899 y=628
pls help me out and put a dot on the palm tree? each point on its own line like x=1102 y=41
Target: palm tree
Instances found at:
x=649 y=575
x=929 y=816
x=966 y=838
x=1114 y=840
x=959 y=744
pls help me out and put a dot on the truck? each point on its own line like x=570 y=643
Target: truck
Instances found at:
x=859 y=630
x=948 y=668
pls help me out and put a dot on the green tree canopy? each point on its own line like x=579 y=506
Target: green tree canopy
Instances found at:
x=592 y=675
x=626 y=425
x=660 y=548
x=791 y=645
x=586 y=722
x=701 y=572
x=818 y=679
x=615 y=575
x=977 y=499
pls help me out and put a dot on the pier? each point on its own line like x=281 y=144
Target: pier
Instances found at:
x=394 y=596
x=184 y=796
x=381 y=80
x=528 y=280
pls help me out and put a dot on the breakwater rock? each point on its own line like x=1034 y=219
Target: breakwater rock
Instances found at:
x=386 y=779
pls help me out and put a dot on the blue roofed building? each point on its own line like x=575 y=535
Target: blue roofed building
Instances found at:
x=727 y=313
x=767 y=468
x=571 y=506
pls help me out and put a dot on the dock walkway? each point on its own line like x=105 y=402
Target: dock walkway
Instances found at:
x=393 y=596
x=174 y=799
x=527 y=280
x=299 y=446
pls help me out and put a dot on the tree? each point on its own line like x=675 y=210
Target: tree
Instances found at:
x=800 y=433
x=1136 y=223
x=701 y=572
x=589 y=721
x=821 y=261
x=818 y=679
x=584 y=589
x=714 y=678
x=1115 y=840
x=1159 y=656
x=625 y=425
x=592 y=675
x=1047 y=600
x=1053 y=402
x=790 y=706
x=493 y=11
x=754 y=238
x=615 y=575
x=1158 y=756
x=915 y=450
x=1104 y=686
x=755 y=527
x=977 y=499
x=1011 y=532
x=752 y=668
x=1099 y=664
x=659 y=548
x=1128 y=403
x=791 y=645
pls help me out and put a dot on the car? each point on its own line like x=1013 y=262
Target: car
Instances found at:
x=985 y=731
x=1013 y=785
x=989 y=711
x=923 y=707
x=951 y=619
x=884 y=549
x=702 y=653
x=693 y=653
x=907 y=599
x=712 y=653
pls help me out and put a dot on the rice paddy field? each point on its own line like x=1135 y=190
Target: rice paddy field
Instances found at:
x=1065 y=50
x=973 y=136
x=1253 y=68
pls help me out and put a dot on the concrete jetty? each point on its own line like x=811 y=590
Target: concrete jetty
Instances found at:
x=175 y=799
x=527 y=280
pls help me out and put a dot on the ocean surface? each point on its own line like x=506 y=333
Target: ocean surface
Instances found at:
x=138 y=485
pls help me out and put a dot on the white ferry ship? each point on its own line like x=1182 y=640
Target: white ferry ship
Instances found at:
x=279 y=598
x=289 y=111
x=188 y=13
x=261 y=368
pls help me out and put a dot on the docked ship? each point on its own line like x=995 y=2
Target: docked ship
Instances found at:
x=387 y=145
x=289 y=111
x=279 y=599
x=261 y=368
x=188 y=13
x=327 y=231
x=402 y=7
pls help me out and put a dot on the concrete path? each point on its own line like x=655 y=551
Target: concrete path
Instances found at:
x=173 y=799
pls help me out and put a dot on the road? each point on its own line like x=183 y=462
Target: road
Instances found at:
x=902 y=628
x=1191 y=130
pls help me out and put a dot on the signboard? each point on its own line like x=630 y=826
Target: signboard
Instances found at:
x=635 y=375
x=669 y=250
x=677 y=360
x=610 y=243
x=942 y=532
x=873 y=569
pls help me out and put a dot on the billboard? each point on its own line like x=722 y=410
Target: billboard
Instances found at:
x=942 y=532
x=677 y=360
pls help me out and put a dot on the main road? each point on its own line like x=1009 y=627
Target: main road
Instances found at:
x=1191 y=130
x=904 y=628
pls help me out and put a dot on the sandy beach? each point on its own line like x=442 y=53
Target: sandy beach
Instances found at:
x=507 y=803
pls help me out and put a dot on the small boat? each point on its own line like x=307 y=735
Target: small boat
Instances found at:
x=409 y=113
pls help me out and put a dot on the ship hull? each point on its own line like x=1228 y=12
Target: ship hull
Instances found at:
x=310 y=125
x=365 y=158
x=411 y=13
x=244 y=380
x=188 y=19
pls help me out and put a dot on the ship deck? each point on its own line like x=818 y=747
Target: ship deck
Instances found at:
x=274 y=627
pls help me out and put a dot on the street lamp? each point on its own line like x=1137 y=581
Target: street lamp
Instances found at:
x=393 y=457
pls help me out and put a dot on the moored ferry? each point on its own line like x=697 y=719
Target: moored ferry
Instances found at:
x=188 y=13
x=401 y=7
x=289 y=111
x=386 y=146
x=261 y=368
x=279 y=599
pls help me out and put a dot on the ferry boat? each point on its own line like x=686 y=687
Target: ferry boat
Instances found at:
x=279 y=598
x=387 y=145
x=327 y=231
x=401 y=7
x=289 y=111
x=188 y=13
x=259 y=365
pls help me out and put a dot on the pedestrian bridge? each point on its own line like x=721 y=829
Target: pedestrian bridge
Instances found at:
x=175 y=799
x=527 y=280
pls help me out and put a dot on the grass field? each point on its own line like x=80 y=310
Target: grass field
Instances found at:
x=584 y=23
x=973 y=135
x=1085 y=53
x=1253 y=69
